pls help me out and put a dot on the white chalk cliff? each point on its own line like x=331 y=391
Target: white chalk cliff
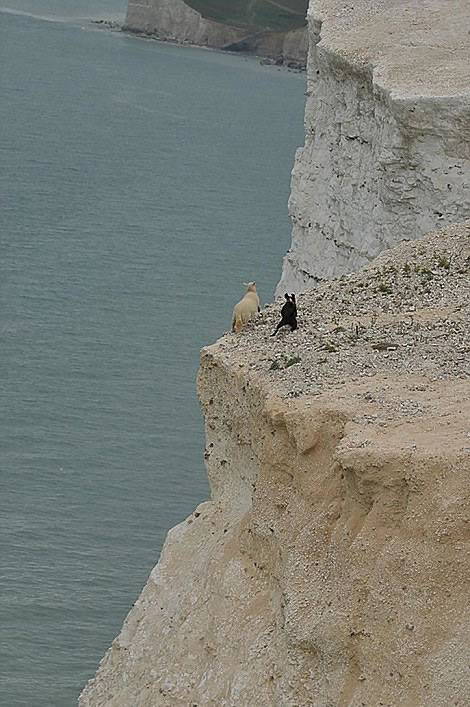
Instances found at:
x=331 y=565
x=387 y=146
x=175 y=20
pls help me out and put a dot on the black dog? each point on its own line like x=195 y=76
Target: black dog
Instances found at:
x=288 y=314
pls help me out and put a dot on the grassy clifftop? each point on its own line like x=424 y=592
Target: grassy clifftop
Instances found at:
x=254 y=14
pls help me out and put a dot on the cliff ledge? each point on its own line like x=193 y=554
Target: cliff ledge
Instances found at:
x=331 y=565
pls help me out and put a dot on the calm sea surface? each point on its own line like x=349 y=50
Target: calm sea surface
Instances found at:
x=140 y=184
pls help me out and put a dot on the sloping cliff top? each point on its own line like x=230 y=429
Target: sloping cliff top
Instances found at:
x=406 y=314
x=415 y=47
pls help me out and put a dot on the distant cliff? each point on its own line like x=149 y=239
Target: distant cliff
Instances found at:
x=177 y=21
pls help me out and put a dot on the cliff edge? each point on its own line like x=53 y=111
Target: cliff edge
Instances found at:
x=387 y=121
x=331 y=565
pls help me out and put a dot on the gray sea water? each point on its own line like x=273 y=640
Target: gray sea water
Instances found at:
x=140 y=185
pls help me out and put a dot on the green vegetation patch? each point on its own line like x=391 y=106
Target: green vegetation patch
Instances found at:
x=284 y=362
x=255 y=15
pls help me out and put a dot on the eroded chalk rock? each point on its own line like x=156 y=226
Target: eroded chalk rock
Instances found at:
x=331 y=565
x=387 y=145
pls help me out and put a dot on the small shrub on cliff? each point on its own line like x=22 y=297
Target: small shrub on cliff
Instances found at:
x=284 y=362
x=292 y=361
x=443 y=262
x=385 y=288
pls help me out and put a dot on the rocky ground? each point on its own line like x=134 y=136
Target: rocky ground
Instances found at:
x=108 y=24
x=406 y=313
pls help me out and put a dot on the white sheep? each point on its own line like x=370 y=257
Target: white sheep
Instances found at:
x=246 y=308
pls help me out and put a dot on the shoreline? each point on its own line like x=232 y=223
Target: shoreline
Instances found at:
x=279 y=63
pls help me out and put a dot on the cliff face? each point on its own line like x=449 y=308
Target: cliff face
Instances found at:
x=288 y=47
x=387 y=147
x=331 y=565
x=174 y=20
